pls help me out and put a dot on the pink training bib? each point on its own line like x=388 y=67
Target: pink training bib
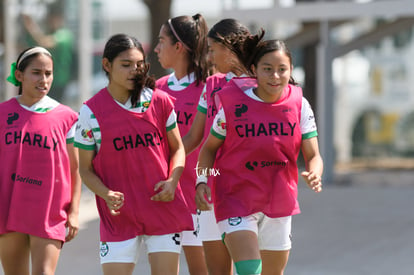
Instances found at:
x=133 y=157
x=35 y=180
x=186 y=102
x=257 y=164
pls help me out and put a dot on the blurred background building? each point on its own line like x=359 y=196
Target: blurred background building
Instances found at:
x=352 y=57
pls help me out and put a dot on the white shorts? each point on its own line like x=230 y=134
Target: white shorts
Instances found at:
x=192 y=238
x=272 y=233
x=209 y=230
x=128 y=251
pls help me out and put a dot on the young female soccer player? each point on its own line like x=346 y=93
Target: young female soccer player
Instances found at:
x=39 y=181
x=131 y=157
x=262 y=126
x=182 y=47
x=225 y=40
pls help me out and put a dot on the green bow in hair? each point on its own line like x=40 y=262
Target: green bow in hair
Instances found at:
x=12 y=78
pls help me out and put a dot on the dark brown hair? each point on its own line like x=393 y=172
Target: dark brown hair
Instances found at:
x=22 y=64
x=255 y=48
x=122 y=42
x=231 y=33
x=191 y=31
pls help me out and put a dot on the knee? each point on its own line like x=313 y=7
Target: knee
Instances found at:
x=249 y=267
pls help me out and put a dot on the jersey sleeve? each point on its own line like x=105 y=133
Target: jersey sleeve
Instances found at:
x=307 y=121
x=202 y=103
x=218 y=129
x=172 y=121
x=70 y=137
x=88 y=133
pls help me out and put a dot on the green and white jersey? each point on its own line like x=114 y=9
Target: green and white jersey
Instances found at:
x=307 y=120
x=202 y=103
x=88 y=133
x=178 y=85
x=45 y=105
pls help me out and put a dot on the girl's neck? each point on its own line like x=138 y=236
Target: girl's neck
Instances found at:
x=266 y=97
x=28 y=101
x=181 y=68
x=119 y=95
x=180 y=74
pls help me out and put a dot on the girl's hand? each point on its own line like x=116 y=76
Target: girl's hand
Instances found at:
x=72 y=225
x=167 y=191
x=203 y=197
x=313 y=180
x=114 y=201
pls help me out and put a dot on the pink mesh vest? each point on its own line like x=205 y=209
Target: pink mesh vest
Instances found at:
x=214 y=84
x=186 y=108
x=35 y=180
x=257 y=164
x=133 y=157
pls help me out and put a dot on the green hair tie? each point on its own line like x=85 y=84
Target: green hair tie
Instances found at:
x=12 y=78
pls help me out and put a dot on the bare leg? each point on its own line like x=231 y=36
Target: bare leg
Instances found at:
x=195 y=260
x=118 y=268
x=243 y=245
x=274 y=262
x=14 y=253
x=45 y=255
x=217 y=258
x=163 y=263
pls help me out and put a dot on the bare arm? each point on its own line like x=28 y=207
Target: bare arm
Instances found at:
x=114 y=199
x=73 y=216
x=176 y=168
x=314 y=164
x=195 y=135
x=205 y=163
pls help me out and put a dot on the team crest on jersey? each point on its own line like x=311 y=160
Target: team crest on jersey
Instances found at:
x=86 y=134
x=235 y=221
x=104 y=249
x=221 y=123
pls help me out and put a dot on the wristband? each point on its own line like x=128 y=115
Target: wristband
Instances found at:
x=201 y=179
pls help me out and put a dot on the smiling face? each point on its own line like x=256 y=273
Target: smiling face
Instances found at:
x=122 y=70
x=36 y=79
x=273 y=72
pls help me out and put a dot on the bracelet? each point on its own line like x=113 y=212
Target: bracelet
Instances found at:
x=200 y=183
x=201 y=179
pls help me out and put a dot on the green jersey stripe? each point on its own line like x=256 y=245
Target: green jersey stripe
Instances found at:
x=202 y=109
x=310 y=135
x=42 y=110
x=185 y=84
x=172 y=126
x=70 y=140
x=85 y=147
x=217 y=135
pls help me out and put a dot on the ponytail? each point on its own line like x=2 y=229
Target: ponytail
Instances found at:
x=191 y=31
